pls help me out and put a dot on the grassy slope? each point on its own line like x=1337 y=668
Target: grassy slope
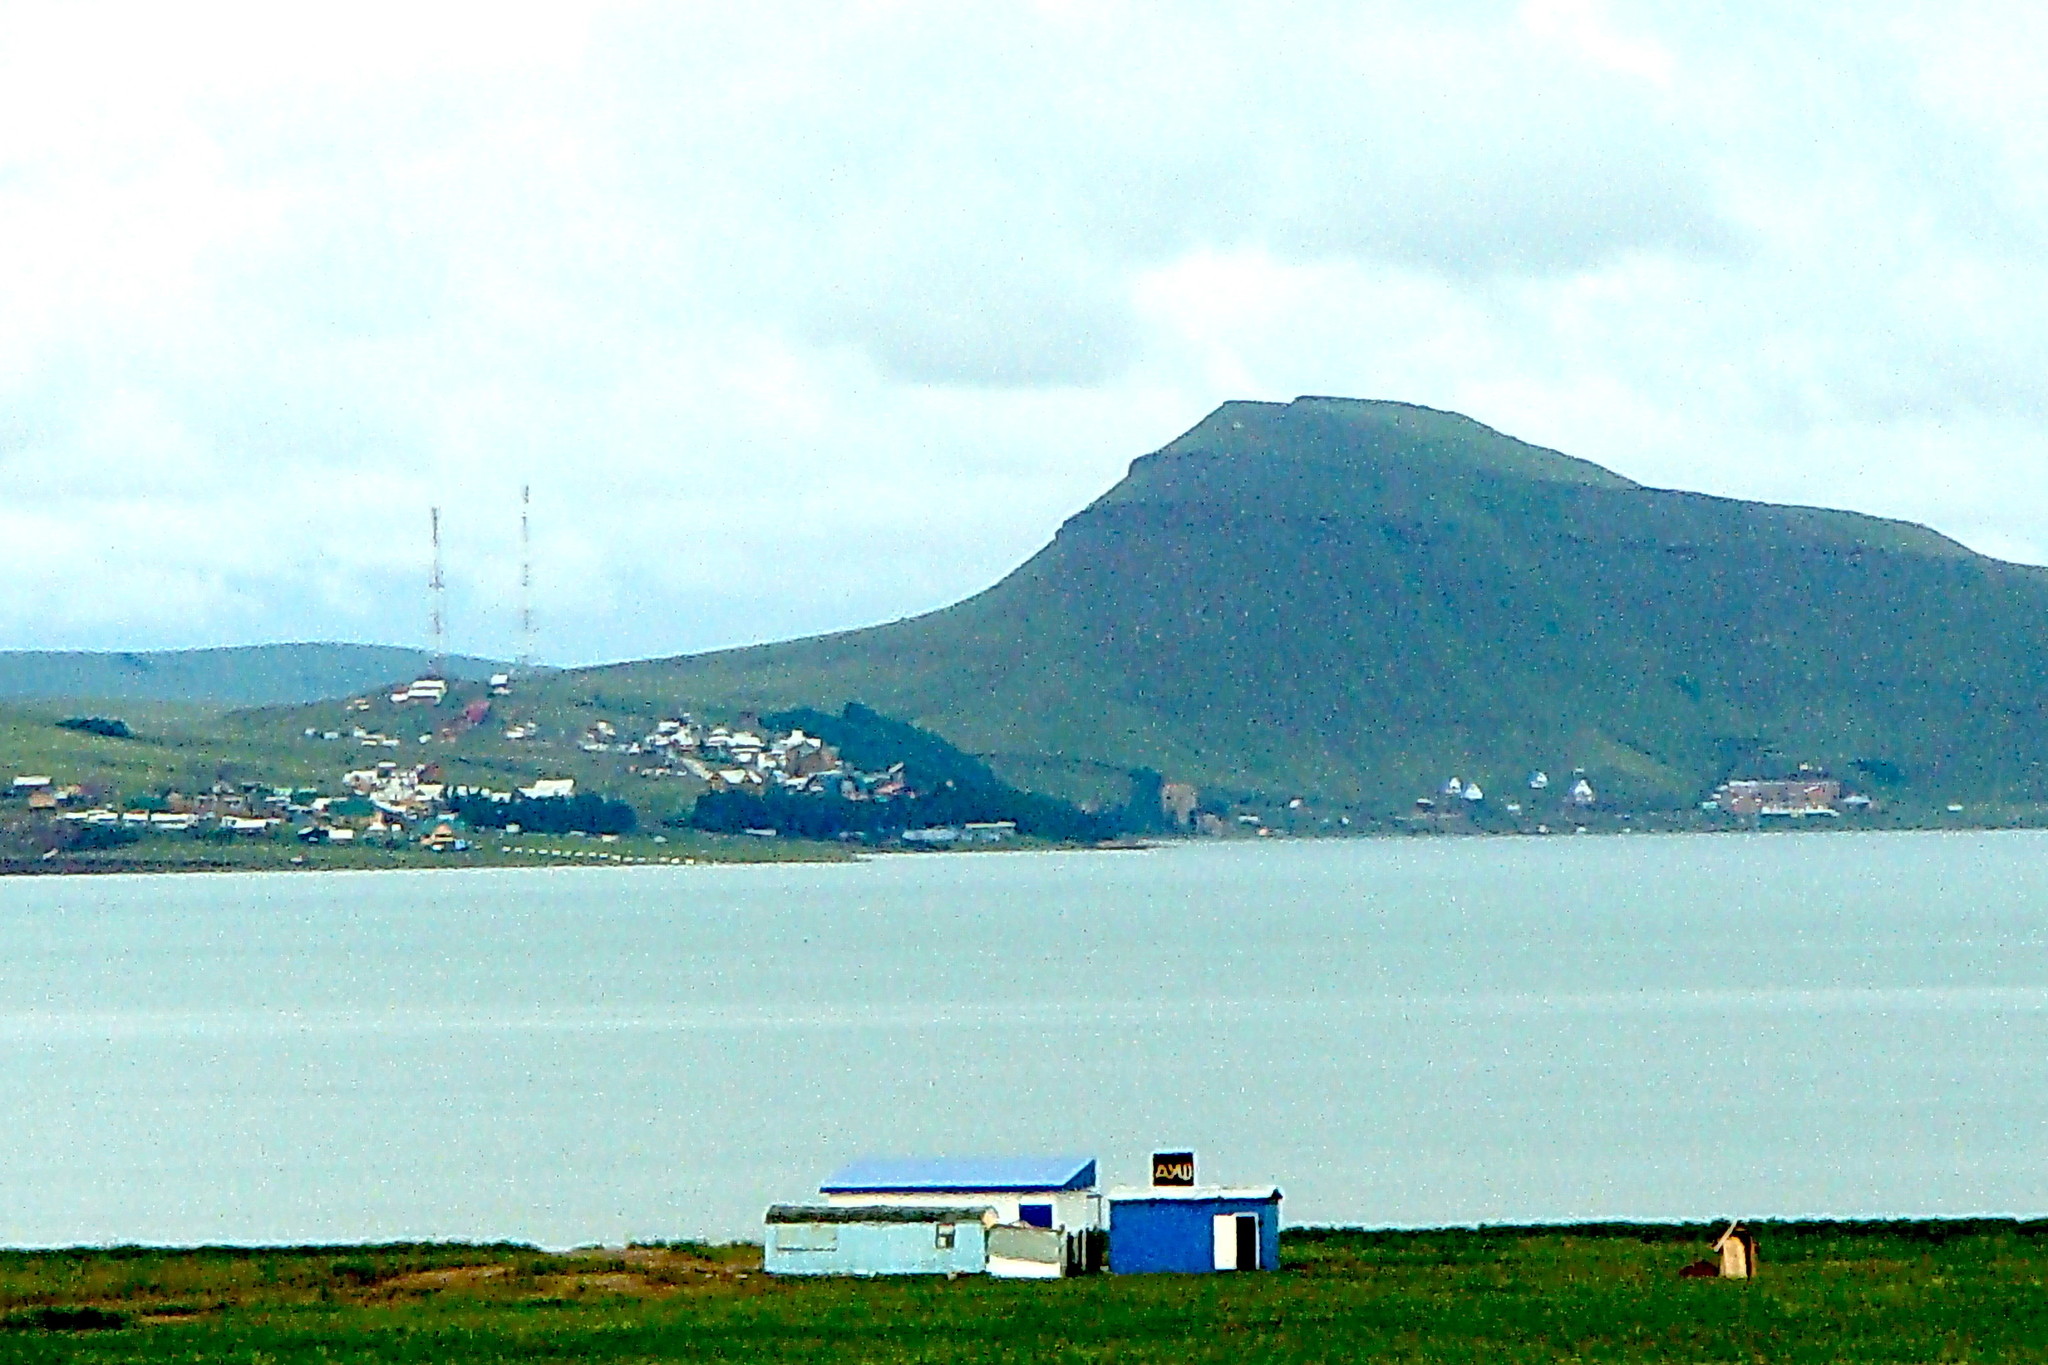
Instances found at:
x=172 y=746
x=1827 y=1293
x=190 y=748
x=1355 y=600
x=243 y=675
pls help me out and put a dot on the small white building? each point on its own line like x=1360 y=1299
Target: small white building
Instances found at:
x=1044 y=1192
x=549 y=788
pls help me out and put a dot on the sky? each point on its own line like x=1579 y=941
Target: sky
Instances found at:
x=803 y=317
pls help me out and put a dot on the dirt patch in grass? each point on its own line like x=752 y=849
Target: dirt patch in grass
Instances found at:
x=446 y=1277
x=632 y=1272
x=606 y=1282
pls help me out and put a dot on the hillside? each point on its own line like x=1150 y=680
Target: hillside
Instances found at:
x=247 y=675
x=1354 y=600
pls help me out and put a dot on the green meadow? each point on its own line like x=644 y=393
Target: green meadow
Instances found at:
x=1965 y=1291
x=279 y=852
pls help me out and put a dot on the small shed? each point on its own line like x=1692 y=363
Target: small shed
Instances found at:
x=1017 y=1251
x=876 y=1239
x=1737 y=1249
x=1037 y=1191
x=1194 y=1229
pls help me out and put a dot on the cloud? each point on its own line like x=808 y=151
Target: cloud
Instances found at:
x=798 y=318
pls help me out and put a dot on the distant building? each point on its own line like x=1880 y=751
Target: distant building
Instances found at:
x=1177 y=801
x=549 y=788
x=428 y=690
x=1791 y=797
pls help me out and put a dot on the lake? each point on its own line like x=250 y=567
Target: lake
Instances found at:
x=1417 y=1031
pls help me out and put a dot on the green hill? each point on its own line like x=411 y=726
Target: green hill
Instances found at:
x=1353 y=600
x=246 y=675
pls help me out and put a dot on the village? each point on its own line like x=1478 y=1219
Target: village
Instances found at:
x=1810 y=794
x=392 y=802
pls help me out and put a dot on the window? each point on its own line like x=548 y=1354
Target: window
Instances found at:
x=945 y=1237
x=1035 y=1215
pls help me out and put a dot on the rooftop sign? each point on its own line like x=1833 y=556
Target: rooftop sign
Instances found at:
x=1171 y=1169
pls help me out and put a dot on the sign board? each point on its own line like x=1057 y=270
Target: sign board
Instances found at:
x=1173 y=1168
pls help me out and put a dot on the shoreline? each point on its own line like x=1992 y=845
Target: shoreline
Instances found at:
x=741 y=851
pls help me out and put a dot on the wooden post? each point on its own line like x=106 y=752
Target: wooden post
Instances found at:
x=1738 y=1253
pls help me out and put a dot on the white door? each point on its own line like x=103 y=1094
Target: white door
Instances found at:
x=1225 y=1226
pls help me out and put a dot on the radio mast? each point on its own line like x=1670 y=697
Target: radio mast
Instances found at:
x=437 y=591
x=525 y=660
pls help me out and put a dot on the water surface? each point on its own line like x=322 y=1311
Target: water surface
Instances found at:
x=1420 y=1031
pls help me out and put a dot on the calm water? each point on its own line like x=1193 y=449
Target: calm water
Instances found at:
x=1394 y=1031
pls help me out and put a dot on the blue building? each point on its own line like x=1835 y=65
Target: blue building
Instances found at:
x=1193 y=1229
x=810 y=1239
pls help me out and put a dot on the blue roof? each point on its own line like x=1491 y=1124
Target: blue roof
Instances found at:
x=936 y=1174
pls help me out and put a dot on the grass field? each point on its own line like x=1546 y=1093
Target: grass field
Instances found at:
x=1828 y=1292
x=280 y=853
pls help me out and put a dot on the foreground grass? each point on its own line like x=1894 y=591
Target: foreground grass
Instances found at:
x=1888 y=1292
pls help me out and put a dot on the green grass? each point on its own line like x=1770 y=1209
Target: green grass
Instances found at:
x=1906 y=1292
x=279 y=853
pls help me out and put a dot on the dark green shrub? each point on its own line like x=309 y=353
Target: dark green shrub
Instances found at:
x=63 y=1318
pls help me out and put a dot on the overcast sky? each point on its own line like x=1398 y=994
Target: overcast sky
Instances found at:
x=810 y=316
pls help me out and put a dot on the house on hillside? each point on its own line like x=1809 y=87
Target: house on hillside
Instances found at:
x=1794 y=797
x=428 y=690
x=549 y=788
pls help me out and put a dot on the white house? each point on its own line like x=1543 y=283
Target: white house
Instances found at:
x=1045 y=1192
x=547 y=788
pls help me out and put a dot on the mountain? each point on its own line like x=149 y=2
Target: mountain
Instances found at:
x=1355 y=600
x=247 y=675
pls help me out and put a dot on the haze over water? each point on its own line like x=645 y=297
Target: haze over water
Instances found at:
x=1396 y=1032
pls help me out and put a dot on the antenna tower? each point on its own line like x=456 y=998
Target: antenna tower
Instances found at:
x=437 y=591
x=525 y=578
